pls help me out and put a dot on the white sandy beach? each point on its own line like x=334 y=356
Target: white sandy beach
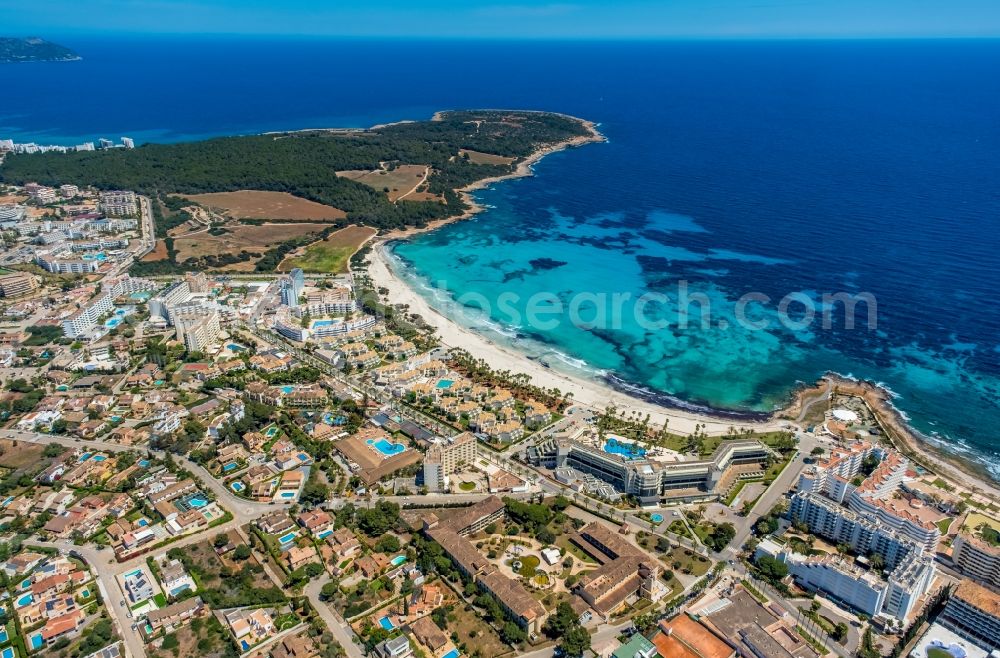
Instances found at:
x=589 y=393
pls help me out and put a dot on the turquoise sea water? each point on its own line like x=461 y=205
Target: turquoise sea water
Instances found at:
x=737 y=167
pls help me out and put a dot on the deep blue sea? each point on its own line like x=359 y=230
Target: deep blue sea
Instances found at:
x=773 y=168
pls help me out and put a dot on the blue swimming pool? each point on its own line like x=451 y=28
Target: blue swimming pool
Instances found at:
x=142 y=523
x=386 y=623
x=287 y=389
x=8 y=652
x=3 y=635
x=230 y=466
x=625 y=449
x=325 y=534
x=271 y=431
x=287 y=537
x=445 y=383
x=144 y=463
x=287 y=494
x=177 y=590
x=322 y=323
x=386 y=447
x=99 y=458
x=112 y=323
x=398 y=560
x=237 y=486
x=244 y=644
x=452 y=654
x=85 y=456
x=36 y=641
x=235 y=347
x=303 y=457
x=24 y=600
x=197 y=501
x=656 y=518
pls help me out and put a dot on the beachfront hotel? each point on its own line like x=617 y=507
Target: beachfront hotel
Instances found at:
x=974 y=613
x=878 y=498
x=976 y=558
x=649 y=479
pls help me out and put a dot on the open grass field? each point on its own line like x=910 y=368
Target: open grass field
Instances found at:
x=478 y=157
x=972 y=521
x=398 y=183
x=331 y=255
x=257 y=204
x=20 y=455
x=256 y=239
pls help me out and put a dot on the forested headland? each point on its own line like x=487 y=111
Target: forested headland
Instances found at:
x=305 y=163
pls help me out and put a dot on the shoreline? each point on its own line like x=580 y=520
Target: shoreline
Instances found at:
x=909 y=441
x=522 y=170
x=593 y=394
x=596 y=394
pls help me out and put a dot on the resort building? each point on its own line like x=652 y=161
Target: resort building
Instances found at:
x=292 y=286
x=625 y=571
x=451 y=533
x=198 y=332
x=119 y=203
x=976 y=558
x=891 y=600
x=974 y=613
x=446 y=456
x=17 y=284
x=863 y=535
x=649 y=480
x=86 y=317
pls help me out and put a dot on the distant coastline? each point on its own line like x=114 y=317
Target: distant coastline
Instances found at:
x=15 y=50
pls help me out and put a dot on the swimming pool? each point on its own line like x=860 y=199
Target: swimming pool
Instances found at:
x=287 y=389
x=245 y=645
x=112 y=323
x=85 y=593
x=287 y=494
x=85 y=456
x=398 y=560
x=287 y=537
x=230 y=466
x=197 y=502
x=3 y=635
x=27 y=599
x=452 y=654
x=180 y=588
x=386 y=623
x=144 y=463
x=99 y=458
x=235 y=347
x=444 y=383
x=271 y=431
x=142 y=523
x=133 y=573
x=36 y=641
x=325 y=534
x=656 y=518
x=322 y=323
x=386 y=447
x=303 y=457
x=8 y=652
x=237 y=486
x=627 y=450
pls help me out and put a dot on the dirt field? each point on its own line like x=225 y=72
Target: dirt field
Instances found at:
x=399 y=182
x=256 y=204
x=159 y=252
x=257 y=239
x=330 y=255
x=477 y=157
x=21 y=455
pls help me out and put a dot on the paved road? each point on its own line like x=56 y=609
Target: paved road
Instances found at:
x=338 y=627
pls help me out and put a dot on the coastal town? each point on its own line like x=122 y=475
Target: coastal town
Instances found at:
x=306 y=464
